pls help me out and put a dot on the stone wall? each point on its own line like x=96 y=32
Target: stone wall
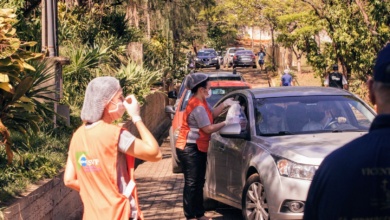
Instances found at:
x=53 y=200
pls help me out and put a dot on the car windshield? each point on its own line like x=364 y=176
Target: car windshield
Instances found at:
x=207 y=53
x=216 y=94
x=311 y=114
x=244 y=52
x=226 y=78
x=233 y=50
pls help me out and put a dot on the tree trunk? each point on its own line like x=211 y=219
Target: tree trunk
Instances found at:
x=298 y=56
x=299 y=67
x=253 y=33
x=289 y=57
x=147 y=18
x=318 y=41
x=273 y=48
x=6 y=141
x=132 y=14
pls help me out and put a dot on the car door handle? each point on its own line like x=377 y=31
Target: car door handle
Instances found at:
x=221 y=147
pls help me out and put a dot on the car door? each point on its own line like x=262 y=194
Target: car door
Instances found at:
x=217 y=163
x=234 y=150
x=229 y=151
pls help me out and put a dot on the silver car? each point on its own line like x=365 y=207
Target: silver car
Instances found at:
x=264 y=164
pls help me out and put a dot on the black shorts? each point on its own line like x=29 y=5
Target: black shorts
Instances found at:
x=261 y=62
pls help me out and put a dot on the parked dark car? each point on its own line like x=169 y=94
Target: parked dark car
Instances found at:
x=207 y=58
x=244 y=58
x=265 y=166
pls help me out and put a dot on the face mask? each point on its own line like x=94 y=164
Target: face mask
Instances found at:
x=118 y=111
x=209 y=94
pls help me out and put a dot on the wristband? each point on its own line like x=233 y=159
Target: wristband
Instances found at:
x=136 y=118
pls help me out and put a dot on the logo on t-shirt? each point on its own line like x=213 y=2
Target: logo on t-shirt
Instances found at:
x=85 y=163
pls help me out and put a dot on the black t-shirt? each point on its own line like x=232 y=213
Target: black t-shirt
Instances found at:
x=353 y=182
x=336 y=80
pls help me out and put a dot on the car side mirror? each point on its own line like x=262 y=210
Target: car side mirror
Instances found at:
x=170 y=110
x=172 y=94
x=234 y=131
x=231 y=129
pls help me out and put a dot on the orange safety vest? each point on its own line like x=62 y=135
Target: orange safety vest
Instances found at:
x=93 y=152
x=203 y=141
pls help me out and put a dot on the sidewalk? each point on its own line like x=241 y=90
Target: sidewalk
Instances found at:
x=160 y=191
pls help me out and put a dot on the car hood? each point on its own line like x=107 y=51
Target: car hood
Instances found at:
x=308 y=148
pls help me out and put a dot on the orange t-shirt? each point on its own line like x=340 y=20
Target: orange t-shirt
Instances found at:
x=93 y=152
x=203 y=141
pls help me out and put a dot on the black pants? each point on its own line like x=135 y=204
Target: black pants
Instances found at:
x=193 y=163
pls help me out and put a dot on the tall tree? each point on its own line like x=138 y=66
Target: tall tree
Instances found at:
x=295 y=26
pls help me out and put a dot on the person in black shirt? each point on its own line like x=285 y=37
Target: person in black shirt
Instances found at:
x=353 y=182
x=336 y=79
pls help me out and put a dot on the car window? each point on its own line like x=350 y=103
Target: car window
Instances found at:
x=311 y=114
x=207 y=53
x=219 y=92
x=181 y=89
x=243 y=113
x=226 y=78
x=233 y=50
x=187 y=97
x=244 y=52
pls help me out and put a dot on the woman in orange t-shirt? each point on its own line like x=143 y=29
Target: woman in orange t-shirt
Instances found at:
x=101 y=155
x=193 y=141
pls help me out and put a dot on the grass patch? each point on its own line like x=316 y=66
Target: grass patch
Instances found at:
x=39 y=157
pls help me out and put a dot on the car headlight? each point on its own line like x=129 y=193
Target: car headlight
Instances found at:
x=215 y=58
x=197 y=59
x=291 y=169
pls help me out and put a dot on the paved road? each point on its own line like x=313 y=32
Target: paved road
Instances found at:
x=160 y=191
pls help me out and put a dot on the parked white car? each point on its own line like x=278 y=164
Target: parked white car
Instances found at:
x=228 y=58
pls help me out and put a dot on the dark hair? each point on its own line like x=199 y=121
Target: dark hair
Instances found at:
x=202 y=84
x=335 y=67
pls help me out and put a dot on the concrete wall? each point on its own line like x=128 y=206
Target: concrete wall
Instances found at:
x=50 y=201
x=53 y=200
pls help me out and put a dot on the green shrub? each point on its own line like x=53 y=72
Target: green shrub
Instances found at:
x=137 y=80
x=39 y=157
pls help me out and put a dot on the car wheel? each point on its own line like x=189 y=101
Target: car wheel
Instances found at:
x=254 y=66
x=176 y=167
x=217 y=67
x=254 y=202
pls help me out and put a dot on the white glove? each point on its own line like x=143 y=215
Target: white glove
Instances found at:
x=132 y=107
x=229 y=102
x=341 y=120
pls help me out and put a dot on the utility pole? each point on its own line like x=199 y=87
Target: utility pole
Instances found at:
x=50 y=47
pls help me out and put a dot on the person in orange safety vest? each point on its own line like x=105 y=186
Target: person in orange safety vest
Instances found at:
x=193 y=142
x=101 y=155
